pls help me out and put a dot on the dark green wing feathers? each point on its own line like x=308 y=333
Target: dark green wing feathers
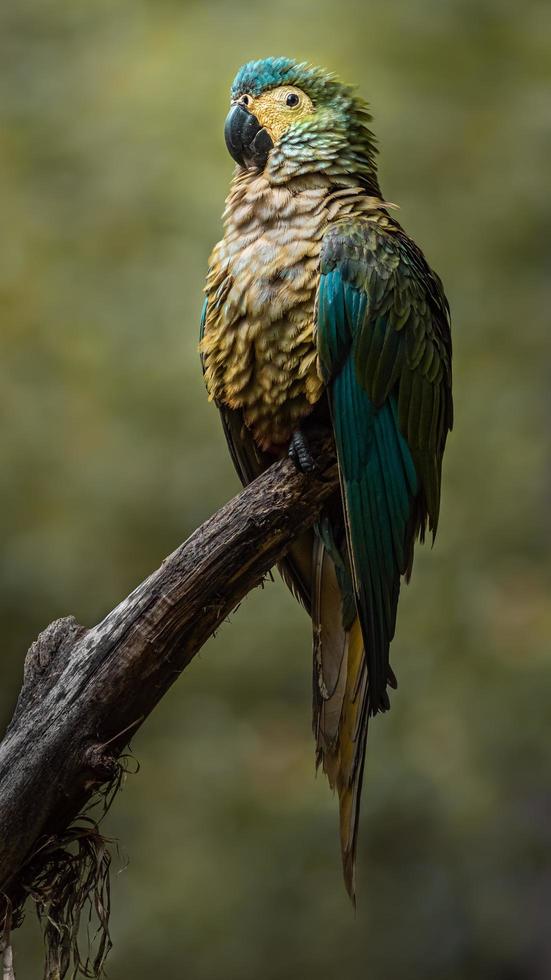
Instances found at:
x=384 y=350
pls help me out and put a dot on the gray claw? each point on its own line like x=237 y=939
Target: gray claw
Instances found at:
x=300 y=453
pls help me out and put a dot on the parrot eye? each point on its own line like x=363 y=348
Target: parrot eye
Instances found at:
x=292 y=100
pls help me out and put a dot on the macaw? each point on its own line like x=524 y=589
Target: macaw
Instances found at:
x=320 y=311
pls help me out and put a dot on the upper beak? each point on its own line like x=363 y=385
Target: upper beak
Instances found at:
x=246 y=140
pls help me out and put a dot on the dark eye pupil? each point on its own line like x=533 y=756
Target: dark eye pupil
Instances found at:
x=292 y=99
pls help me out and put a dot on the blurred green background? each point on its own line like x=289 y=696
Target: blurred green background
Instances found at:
x=113 y=173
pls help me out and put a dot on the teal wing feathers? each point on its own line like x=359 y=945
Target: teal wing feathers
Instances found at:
x=385 y=354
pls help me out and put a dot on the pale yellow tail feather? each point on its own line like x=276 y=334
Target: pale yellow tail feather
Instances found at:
x=330 y=647
x=344 y=762
x=340 y=703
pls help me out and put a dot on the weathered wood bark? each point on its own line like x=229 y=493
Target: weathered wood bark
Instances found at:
x=86 y=691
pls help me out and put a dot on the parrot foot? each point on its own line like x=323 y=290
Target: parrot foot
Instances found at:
x=300 y=453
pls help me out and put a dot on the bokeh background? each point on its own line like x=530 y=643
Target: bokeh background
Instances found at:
x=113 y=173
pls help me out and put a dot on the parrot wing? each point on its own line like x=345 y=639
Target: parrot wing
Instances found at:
x=385 y=355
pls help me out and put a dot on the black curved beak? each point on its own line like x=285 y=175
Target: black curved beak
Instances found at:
x=248 y=143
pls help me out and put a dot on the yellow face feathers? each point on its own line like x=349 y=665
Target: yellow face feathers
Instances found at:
x=278 y=108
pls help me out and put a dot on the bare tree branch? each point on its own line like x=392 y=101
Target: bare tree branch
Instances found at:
x=86 y=691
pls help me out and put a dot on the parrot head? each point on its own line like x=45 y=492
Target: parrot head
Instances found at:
x=290 y=118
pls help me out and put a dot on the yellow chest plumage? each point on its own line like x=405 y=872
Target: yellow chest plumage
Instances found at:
x=258 y=344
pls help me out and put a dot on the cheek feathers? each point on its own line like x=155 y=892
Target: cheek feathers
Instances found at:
x=275 y=116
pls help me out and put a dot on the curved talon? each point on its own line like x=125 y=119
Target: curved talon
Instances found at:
x=300 y=453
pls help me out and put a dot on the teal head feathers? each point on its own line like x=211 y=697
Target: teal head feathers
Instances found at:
x=288 y=118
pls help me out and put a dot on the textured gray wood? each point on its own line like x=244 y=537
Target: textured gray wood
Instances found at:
x=86 y=691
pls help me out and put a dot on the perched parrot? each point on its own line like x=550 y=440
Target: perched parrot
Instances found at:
x=320 y=311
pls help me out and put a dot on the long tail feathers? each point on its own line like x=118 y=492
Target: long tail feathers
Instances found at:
x=340 y=703
x=340 y=715
x=349 y=761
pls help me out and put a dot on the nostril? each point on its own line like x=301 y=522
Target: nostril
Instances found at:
x=245 y=100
